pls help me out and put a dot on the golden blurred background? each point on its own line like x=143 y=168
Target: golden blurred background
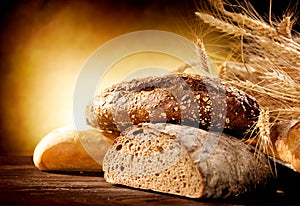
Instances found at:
x=44 y=45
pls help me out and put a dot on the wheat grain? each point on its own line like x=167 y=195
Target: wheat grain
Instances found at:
x=221 y=25
x=285 y=27
x=263 y=138
x=267 y=65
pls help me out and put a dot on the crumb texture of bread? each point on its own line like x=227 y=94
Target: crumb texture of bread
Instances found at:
x=178 y=98
x=66 y=149
x=182 y=160
x=228 y=166
x=147 y=159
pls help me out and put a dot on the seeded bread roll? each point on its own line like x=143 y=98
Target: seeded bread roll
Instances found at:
x=66 y=149
x=184 y=99
x=185 y=161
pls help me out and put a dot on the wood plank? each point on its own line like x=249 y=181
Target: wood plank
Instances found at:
x=22 y=183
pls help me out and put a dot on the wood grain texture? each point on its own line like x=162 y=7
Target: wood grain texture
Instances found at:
x=22 y=184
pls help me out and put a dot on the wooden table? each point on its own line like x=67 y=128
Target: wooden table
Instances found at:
x=22 y=184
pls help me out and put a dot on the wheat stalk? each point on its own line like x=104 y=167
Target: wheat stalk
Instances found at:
x=273 y=57
x=268 y=66
x=221 y=25
x=258 y=27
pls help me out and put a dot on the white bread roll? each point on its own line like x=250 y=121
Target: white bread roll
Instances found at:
x=66 y=149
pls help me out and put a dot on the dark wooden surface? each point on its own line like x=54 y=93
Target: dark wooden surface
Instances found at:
x=22 y=184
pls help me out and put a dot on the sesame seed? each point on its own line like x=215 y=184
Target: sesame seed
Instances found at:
x=163 y=114
x=175 y=109
x=244 y=108
x=205 y=99
x=198 y=96
x=227 y=120
x=182 y=107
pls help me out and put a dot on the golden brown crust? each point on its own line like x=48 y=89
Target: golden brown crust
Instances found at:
x=66 y=149
x=286 y=138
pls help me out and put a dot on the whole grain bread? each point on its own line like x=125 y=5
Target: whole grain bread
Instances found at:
x=178 y=98
x=185 y=161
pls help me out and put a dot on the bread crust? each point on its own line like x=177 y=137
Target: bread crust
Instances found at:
x=185 y=99
x=148 y=159
x=225 y=166
x=285 y=137
x=66 y=149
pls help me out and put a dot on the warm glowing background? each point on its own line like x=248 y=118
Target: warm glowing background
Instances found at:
x=45 y=43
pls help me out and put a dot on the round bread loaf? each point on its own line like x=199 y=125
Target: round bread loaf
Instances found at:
x=178 y=98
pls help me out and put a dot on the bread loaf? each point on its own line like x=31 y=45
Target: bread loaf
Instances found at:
x=185 y=161
x=179 y=98
x=285 y=136
x=65 y=149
